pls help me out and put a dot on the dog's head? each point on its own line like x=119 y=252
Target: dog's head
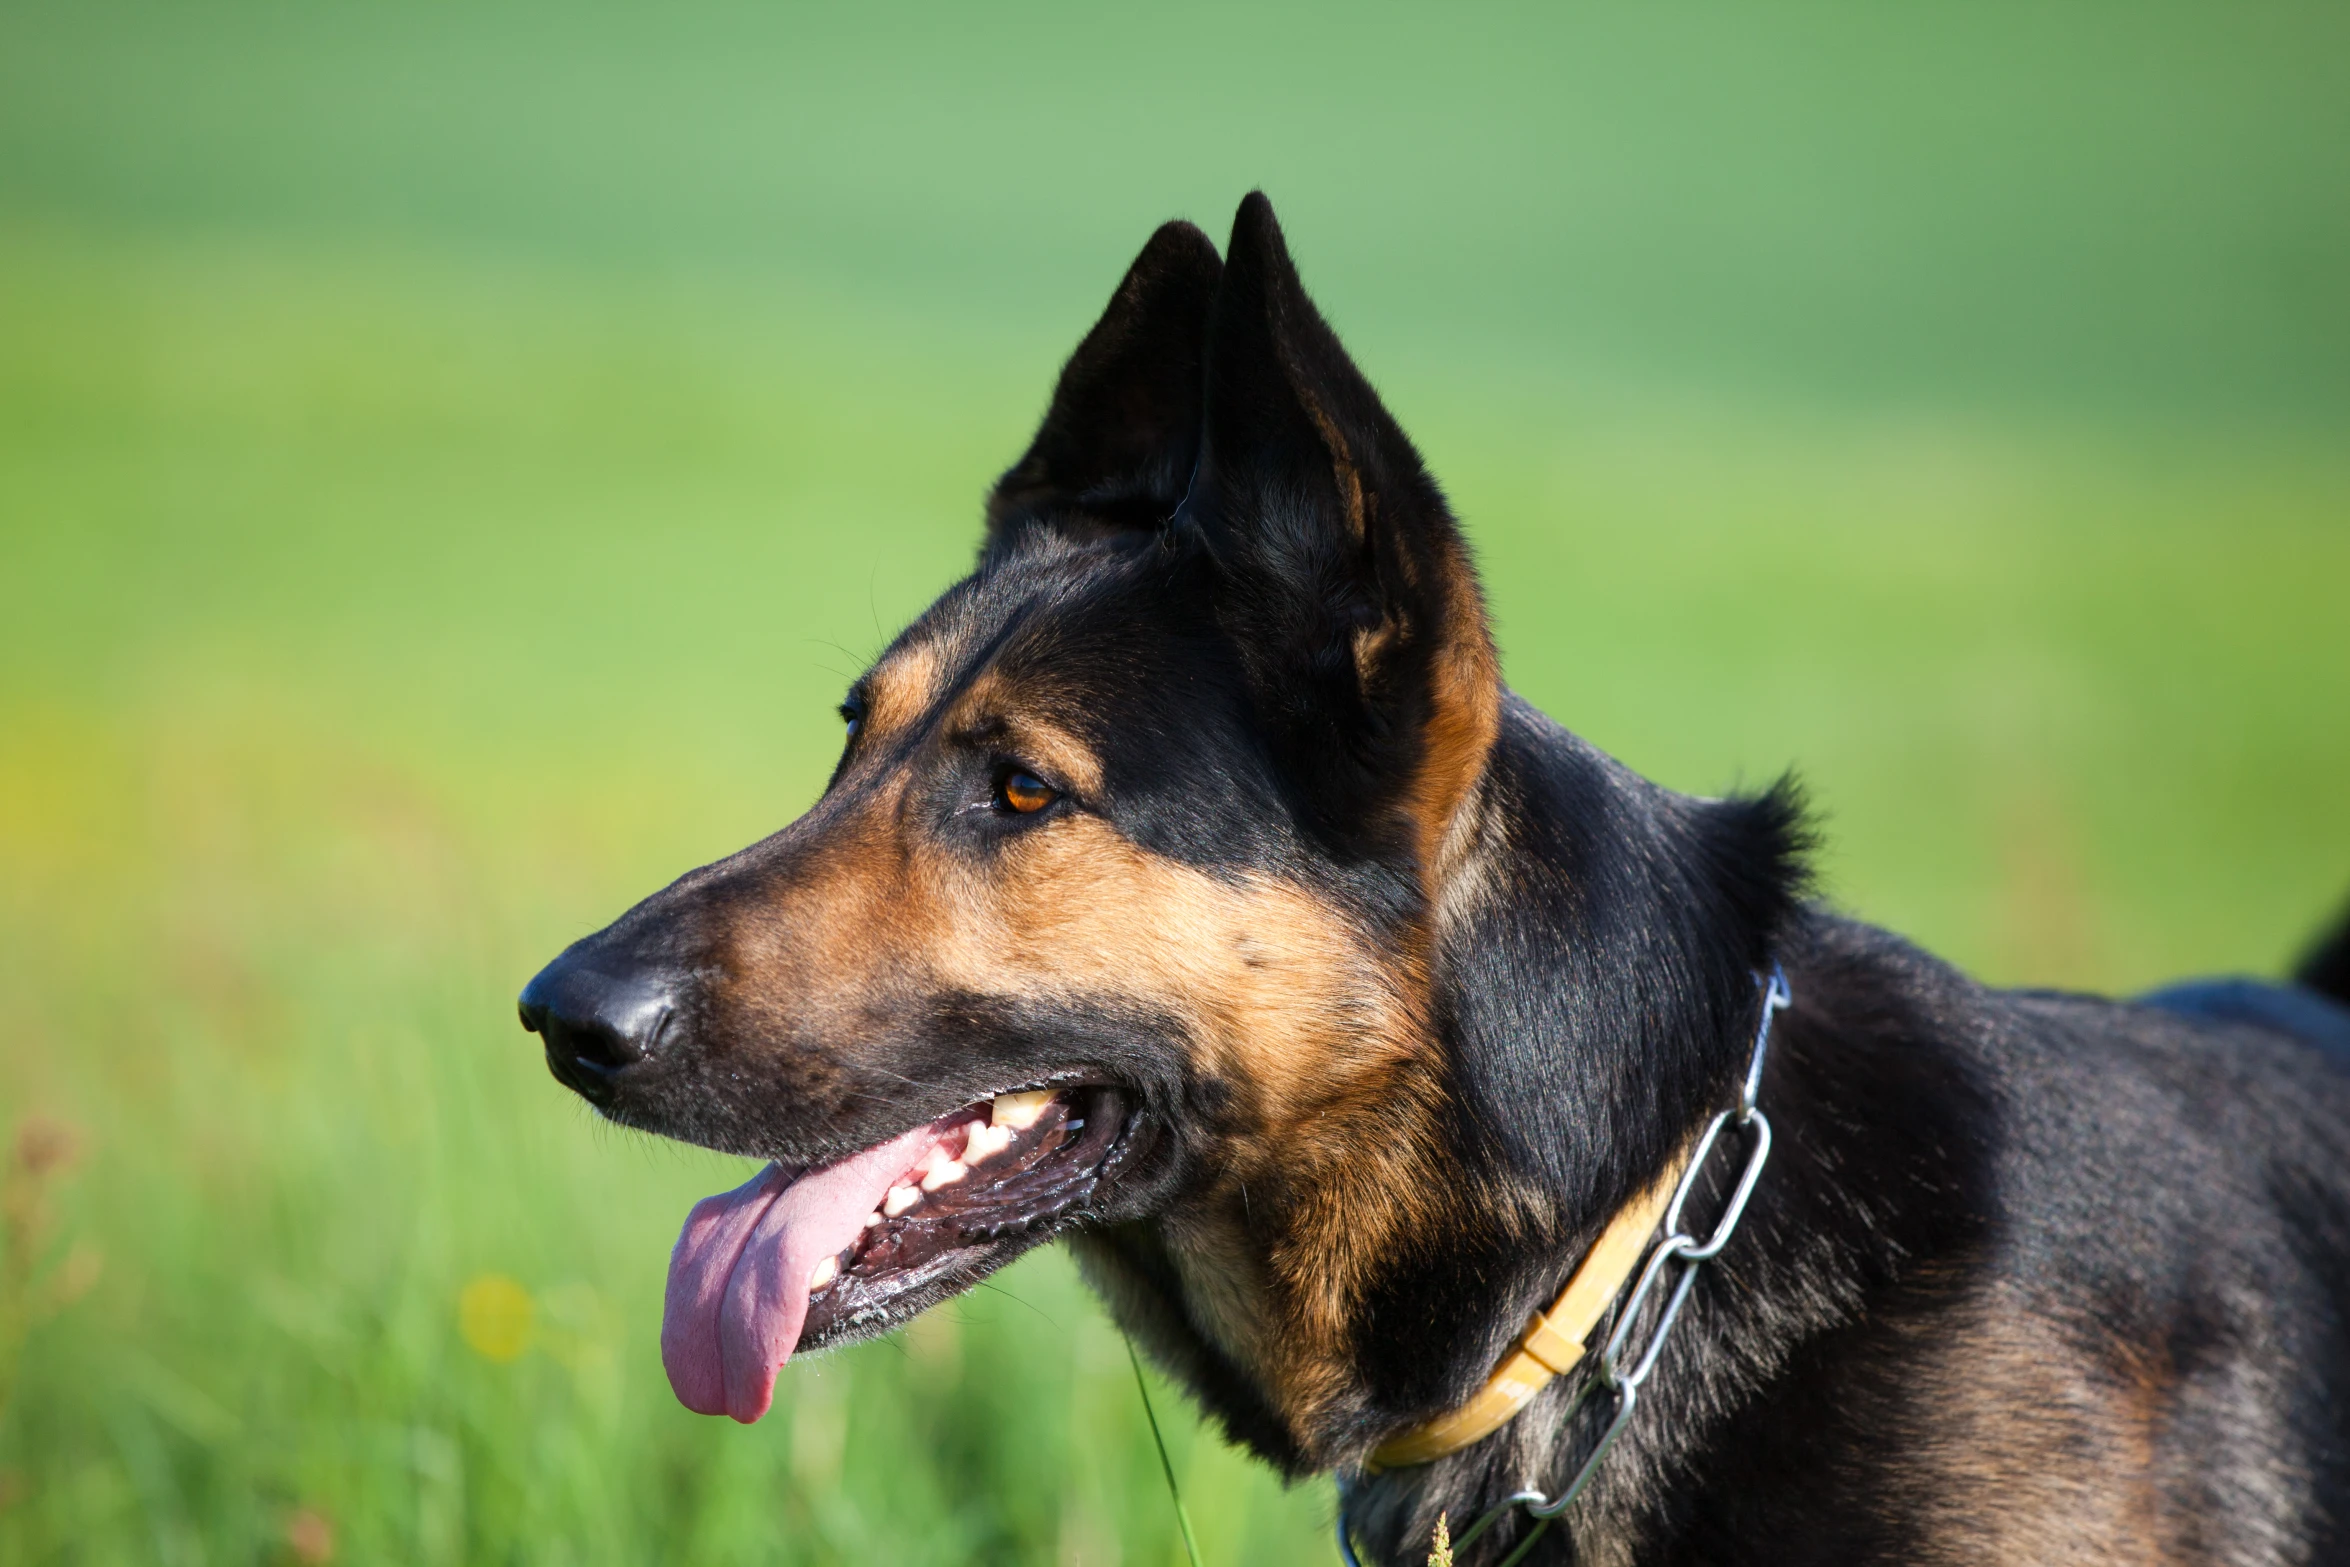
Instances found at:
x=1115 y=916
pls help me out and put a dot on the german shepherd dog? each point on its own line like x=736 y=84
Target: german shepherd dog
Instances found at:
x=1191 y=887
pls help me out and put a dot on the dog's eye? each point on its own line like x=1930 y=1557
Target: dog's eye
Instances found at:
x=853 y=715
x=1024 y=793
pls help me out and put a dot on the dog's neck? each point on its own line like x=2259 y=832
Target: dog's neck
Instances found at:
x=1598 y=979
x=1592 y=959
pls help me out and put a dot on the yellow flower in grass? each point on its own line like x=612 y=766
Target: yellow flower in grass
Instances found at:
x=497 y=1317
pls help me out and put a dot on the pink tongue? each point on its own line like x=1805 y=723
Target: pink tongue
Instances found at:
x=738 y=1280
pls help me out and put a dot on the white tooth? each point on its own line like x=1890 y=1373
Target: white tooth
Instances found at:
x=1019 y=1111
x=943 y=1175
x=985 y=1142
x=873 y=1218
x=823 y=1273
x=900 y=1198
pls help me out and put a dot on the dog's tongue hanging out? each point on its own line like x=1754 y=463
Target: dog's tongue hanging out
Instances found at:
x=739 y=1279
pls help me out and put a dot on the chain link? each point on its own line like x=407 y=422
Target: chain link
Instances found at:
x=1618 y=1371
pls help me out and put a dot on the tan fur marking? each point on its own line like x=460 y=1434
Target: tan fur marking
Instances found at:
x=1464 y=713
x=990 y=702
x=1465 y=705
x=903 y=686
x=1342 y=462
x=1464 y=719
x=2032 y=1452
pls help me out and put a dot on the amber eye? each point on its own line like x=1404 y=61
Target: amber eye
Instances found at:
x=1024 y=792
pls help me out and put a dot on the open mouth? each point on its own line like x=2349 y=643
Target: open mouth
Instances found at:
x=791 y=1261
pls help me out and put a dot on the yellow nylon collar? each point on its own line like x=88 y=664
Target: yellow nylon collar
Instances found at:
x=1556 y=1339
x=1552 y=1343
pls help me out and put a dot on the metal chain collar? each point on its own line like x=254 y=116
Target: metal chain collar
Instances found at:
x=1620 y=1369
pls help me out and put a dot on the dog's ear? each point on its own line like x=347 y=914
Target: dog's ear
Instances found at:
x=1346 y=583
x=1117 y=446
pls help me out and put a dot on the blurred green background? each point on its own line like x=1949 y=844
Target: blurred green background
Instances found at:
x=453 y=457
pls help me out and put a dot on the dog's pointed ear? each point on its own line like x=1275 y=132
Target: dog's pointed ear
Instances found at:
x=1117 y=446
x=1348 y=585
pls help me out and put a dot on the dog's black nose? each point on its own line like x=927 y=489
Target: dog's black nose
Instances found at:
x=595 y=1023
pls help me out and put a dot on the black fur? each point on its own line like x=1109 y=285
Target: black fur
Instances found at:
x=2029 y=1277
x=2327 y=968
x=1117 y=449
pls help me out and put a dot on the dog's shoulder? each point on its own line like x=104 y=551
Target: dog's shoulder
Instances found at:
x=2128 y=1302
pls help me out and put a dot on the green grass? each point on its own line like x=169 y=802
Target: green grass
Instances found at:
x=436 y=506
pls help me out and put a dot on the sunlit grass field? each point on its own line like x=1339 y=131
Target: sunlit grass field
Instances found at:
x=390 y=594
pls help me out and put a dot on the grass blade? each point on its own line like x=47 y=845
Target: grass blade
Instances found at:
x=1166 y=1464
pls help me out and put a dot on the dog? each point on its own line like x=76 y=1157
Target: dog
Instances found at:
x=1191 y=888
